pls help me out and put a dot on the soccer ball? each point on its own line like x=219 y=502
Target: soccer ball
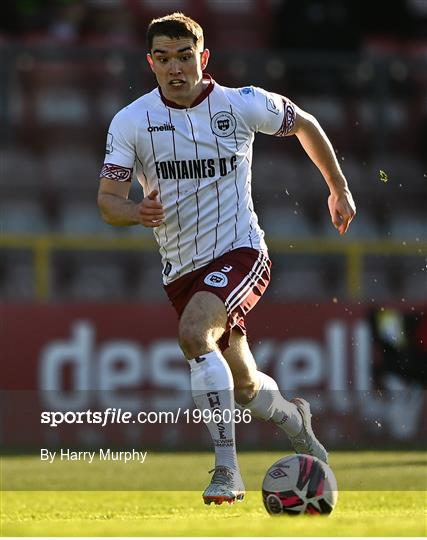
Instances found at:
x=299 y=484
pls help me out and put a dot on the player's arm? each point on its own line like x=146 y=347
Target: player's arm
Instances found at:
x=318 y=147
x=116 y=177
x=117 y=209
x=273 y=114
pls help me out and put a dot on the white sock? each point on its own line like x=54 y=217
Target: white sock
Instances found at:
x=269 y=404
x=212 y=388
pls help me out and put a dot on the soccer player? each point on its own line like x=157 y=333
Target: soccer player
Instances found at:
x=190 y=143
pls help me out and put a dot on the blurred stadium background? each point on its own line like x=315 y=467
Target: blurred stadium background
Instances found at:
x=342 y=317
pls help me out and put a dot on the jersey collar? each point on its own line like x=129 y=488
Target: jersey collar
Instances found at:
x=204 y=94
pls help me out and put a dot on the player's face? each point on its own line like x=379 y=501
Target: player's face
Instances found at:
x=178 y=66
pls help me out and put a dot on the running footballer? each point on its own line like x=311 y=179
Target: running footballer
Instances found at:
x=189 y=141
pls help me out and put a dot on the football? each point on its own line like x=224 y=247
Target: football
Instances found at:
x=299 y=484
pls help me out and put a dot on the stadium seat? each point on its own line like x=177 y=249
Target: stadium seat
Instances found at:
x=384 y=275
x=408 y=226
x=293 y=284
x=404 y=175
x=415 y=284
x=286 y=222
x=362 y=227
x=61 y=105
x=240 y=24
x=166 y=5
x=231 y=6
x=83 y=218
x=20 y=171
x=328 y=110
x=355 y=171
x=95 y=281
x=397 y=115
x=377 y=286
x=22 y=217
x=109 y=103
x=310 y=181
x=73 y=170
x=18 y=282
x=149 y=285
x=273 y=174
x=366 y=113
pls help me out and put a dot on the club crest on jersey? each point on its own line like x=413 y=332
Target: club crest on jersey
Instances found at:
x=223 y=124
x=216 y=279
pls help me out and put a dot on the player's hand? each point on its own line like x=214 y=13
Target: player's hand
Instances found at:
x=151 y=211
x=342 y=209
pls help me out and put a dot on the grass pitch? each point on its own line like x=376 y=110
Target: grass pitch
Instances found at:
x=389 y=512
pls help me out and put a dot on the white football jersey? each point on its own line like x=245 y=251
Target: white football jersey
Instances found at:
x=199 y=159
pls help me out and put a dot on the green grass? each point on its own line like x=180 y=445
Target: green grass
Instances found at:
x=182 y=513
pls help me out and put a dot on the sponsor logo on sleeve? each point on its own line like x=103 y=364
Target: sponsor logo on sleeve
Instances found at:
x=109 y=147
x=216 y=279
x=223 y=124
x=247 y=90
x=271 y=105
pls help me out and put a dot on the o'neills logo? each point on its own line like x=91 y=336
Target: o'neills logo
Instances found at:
x=167 y=126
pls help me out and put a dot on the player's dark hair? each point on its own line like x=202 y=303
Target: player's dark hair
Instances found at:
x=176 y=25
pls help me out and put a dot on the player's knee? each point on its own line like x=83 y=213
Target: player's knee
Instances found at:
x=245 y=391
x=193 y=341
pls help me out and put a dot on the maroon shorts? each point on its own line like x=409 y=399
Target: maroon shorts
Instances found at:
x=239 y=278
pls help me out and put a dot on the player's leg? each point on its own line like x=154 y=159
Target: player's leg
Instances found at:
x=201 y=325
x=260 y=394
x=256 y=390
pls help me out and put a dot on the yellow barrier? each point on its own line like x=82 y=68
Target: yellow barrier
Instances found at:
x=354 y=251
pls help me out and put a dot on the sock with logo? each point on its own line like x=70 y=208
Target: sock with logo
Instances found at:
x=212 y=388
x=269 y=404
